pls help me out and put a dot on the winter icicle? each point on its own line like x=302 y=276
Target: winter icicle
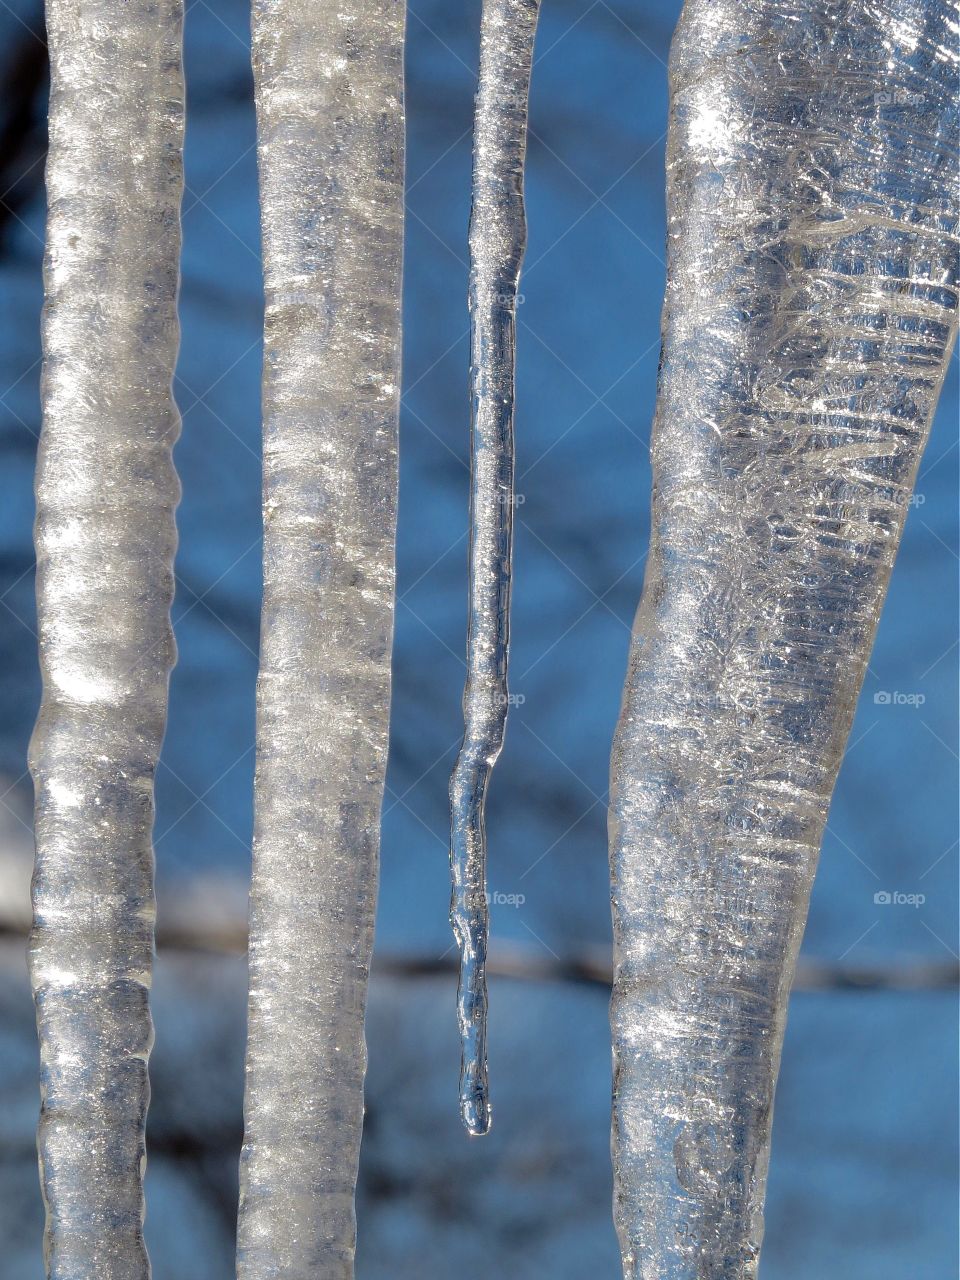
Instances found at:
x=810 y=311
x=329 y=97
x=497 y=241
x=105 y=540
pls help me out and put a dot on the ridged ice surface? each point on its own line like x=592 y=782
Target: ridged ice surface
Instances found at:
x=105 y=539
x=810 y=310
x=497 y=241
x=329 y=100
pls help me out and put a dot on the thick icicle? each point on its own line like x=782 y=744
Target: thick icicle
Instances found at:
x=497 y=241
x=810 y=310
x=105 y=538
x=329 y=93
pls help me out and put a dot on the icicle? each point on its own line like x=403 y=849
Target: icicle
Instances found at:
x=329 y=93
x=810 y=311
x=497 y=240
x=105 y=539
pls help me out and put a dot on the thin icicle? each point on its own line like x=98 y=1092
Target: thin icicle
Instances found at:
x=810 y=311
x=497 y=241
x=105 y=539
x=329 y=93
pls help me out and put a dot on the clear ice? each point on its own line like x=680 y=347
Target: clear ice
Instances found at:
x=329 y=98
x=497 y=241
x=810 y=310
x=106 y=493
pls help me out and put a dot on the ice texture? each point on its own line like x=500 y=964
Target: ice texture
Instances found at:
x=106 y=493
x=810 y=310
x=329 y=98
x=497 y=242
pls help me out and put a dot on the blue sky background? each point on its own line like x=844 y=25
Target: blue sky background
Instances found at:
x=864 y=1166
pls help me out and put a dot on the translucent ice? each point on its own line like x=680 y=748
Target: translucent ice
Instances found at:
x=497 y=241
x=105 y=539
x=810 y=310
x=329 y=95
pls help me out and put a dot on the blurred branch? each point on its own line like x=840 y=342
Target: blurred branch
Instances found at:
x=588 y=966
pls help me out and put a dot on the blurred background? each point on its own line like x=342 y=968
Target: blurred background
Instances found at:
x=863 y=1178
